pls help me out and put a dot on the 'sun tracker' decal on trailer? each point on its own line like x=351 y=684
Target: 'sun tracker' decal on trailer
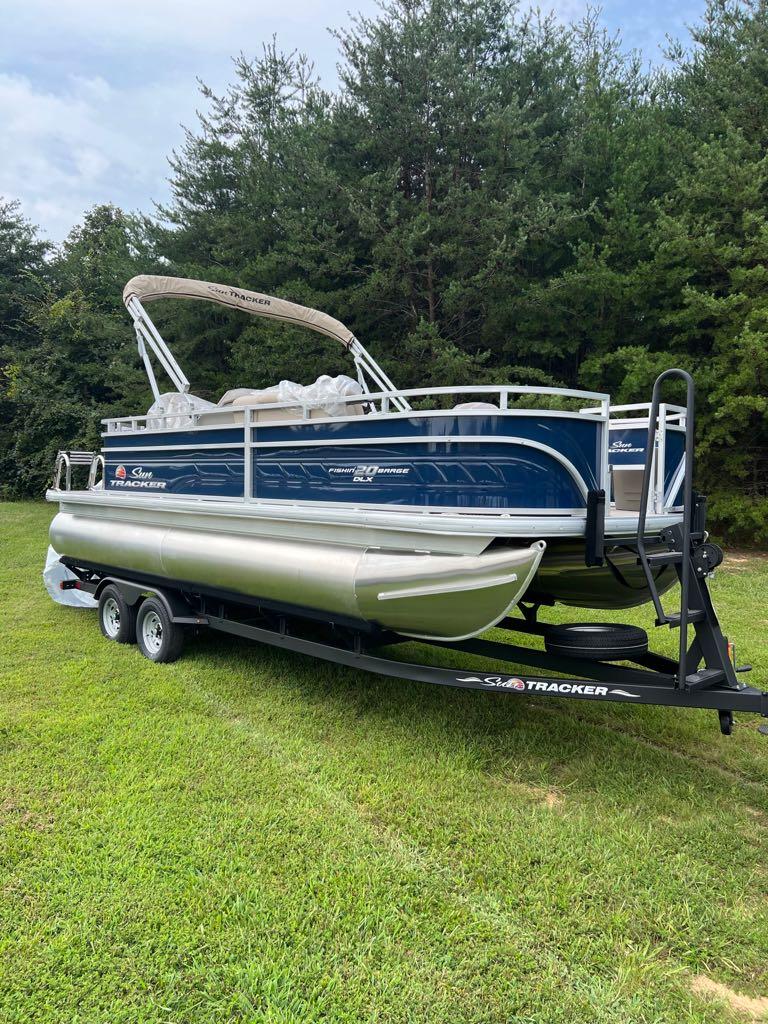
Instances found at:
x=514 y=683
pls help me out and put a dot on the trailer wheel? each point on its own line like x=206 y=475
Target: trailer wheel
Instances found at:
x=599 y=641
x=726 y=722
x=117 y=618
x=159 y=638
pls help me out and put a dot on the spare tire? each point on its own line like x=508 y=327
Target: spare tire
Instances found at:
x=599 y=641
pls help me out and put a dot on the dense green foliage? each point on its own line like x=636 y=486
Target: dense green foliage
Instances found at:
x=489 y=196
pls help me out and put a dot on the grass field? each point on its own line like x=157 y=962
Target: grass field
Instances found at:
x=247 y=835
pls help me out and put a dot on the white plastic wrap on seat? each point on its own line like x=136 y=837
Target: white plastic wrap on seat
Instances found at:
x=178 y=409
x=325 y=394
x=54 y=573
x=229 y=396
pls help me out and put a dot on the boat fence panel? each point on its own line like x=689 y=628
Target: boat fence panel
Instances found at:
x=446 y=461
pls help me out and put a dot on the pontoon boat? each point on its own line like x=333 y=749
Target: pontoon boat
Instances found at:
x=427 y=513
x=430 y=511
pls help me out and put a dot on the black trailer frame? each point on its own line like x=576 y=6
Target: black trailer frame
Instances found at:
x=650 y=678
x=703 y=676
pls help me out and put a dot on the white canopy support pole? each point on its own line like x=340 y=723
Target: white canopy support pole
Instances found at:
x=147 y=365
x=152 y=287
x=361 y=379
x=364 y=360
x=161 y=347
x=150 y=335
x=170 y=365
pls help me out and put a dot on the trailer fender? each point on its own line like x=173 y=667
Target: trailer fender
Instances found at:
x=178 y=609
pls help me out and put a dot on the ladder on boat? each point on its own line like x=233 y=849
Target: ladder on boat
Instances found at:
x=706 y=661
x=65 y=460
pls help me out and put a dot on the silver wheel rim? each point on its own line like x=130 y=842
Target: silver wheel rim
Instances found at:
x=110 y=616
x=152 y=632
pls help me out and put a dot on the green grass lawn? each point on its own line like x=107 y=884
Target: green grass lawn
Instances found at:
x=248 y=835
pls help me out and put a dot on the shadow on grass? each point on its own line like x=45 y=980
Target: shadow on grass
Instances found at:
x=556 y=740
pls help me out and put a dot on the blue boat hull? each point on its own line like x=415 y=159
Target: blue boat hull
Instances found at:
x=537 y=464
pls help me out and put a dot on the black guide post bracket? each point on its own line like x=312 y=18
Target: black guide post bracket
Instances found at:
x=693 y=559
x=594 y=548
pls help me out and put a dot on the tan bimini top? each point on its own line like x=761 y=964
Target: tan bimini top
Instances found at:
x=148 y=287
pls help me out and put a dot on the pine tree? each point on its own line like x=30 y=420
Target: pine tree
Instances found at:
x=23 y=278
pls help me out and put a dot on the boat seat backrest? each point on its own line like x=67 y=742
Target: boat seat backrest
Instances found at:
x=233 y=413
x=627 y=488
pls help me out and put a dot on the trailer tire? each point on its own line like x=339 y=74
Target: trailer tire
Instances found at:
x=158 y=637
x=598 y=641
x=117 y=618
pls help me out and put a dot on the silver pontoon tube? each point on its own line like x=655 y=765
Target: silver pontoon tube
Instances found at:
x=430 y=596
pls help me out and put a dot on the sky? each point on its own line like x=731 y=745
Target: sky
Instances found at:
x=94 y=93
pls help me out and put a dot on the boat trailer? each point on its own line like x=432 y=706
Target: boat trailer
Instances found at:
x=644 y=677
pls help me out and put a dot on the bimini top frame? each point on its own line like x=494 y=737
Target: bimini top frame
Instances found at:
x=149 y=288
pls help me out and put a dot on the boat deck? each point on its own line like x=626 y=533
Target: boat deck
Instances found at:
x=467 y=532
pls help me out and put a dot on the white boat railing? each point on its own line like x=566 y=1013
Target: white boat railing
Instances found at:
x=501 y=399
x=669 y=415
x=389 y=403
x=635 y=415
x=393 y=404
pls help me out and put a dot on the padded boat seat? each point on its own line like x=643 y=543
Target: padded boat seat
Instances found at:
x=231 y=415
x=627 y=488
x=232 y=403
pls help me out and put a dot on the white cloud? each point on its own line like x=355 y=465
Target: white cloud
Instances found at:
x=84 y=143
x=92 y=92
x=198 y=23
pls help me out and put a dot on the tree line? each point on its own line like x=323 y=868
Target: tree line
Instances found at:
x=488 y=196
